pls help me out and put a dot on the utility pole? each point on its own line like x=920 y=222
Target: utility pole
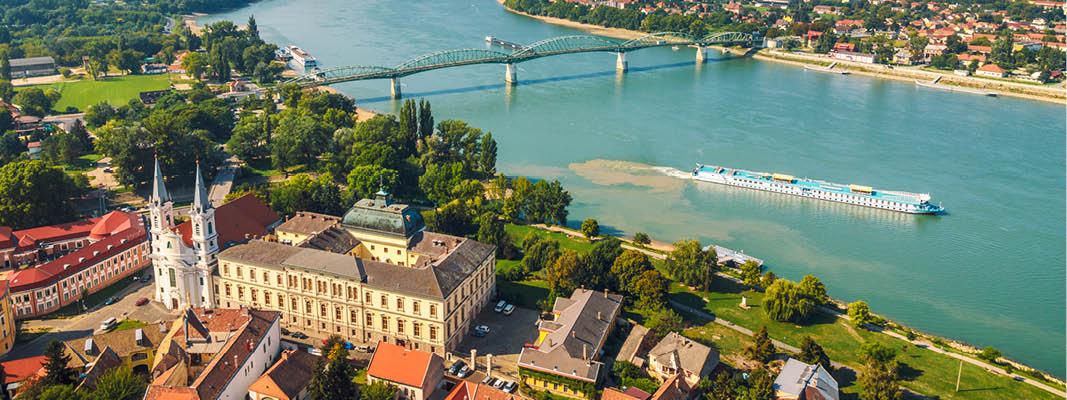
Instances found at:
x=959 y=374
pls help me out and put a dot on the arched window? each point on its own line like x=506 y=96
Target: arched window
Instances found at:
x=210 y=228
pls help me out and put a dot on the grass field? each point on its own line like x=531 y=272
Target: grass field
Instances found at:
x=128 y=324
x=924 y=371
x=117 y=90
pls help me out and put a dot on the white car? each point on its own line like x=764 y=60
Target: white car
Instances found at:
x=500 y=306
x=480 y=331
x=510 y=308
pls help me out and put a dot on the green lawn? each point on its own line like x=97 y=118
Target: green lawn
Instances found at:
x=117 y=90
x=84 y=163
x=524 y=294
x=128 y=324
x=925 y=372
x=520 y=232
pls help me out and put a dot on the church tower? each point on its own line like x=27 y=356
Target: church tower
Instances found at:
x=204 y=238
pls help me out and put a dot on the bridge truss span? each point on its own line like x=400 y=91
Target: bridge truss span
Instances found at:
x=571 y=44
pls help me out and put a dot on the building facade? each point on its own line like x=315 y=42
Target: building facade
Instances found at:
x=415 y=373
x=374 y=275
x=7 y=320
x=96 y=256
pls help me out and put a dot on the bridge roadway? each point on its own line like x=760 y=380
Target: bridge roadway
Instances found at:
x=544 y=48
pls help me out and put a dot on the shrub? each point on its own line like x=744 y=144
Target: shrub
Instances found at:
x=642 y=238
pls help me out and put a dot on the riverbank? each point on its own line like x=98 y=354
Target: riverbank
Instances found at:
x=938 y=366
x=1054 y=94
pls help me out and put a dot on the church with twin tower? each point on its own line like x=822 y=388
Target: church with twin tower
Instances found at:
x=183 y=265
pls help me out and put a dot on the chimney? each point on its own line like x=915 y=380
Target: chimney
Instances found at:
x=599 y=317
x=585 y=352
x=605 y=293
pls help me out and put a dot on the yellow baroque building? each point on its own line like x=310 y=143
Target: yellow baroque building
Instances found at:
x=373 y=274
x=7 y=319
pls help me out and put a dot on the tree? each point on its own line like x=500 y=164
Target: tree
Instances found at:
x=118 y=384
x=366 y=180
x=425 y=120
x=298 y=139
x=62 y=148
x=487 y=155
x=642 y=239
x=52 y=192
x=545 y=202
x=768 y=279
x=126 y=60
x=860 y=313
x=650 y=288
x=762 y=349
x=491 y=231
x=750 y=273
x=249 y=138
x=379 y=390
x=663 y=321
x=590 y=228
x=333 y=377
x=560 y=275
x=784 y=301
x=627 y=267
x=195 y=64
x=725 y=387
x=57 y=371
x=917 y=46
x=989 y=354
x=812 y=353
x=253 y=28
x=760 y=385
x=409 y=125
x=59 y=392
x=439 y=180
x=99 y=114
x=690 y=264
x=595 y=270
x=879 y=378
x=538 y=252
x=7 y=122
x=7 y=90
x=454 y=218
x=302 y=193
x=35 y=101
x=5 y=67
x=812 y=288
x=1002 y=51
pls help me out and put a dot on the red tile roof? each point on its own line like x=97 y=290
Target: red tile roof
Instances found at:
x=400 y=365
x=28 y=238
x=629 y=394
x=287 y=377
x=78 y=260
x=992 y=68
x=21 y=369
x=466 y=390
x=244 y=216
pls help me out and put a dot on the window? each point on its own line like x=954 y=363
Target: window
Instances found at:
x=417 y=329
x=173 y=279
x=307 y=307
x=322 y=310
x=433 y=310
x=266 y=277
x=252 y=274
x=367 y=298
x=415 y=306
x=369 y=320
x=228 y=294
x=400 y=303
x=239 y=273
x=399 y=325
x=337 y=313
x=279 y=276
x=385 y=301
x=433 y=333
x=385 y=322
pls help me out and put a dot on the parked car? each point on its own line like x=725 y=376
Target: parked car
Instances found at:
x=108 y=324
x=511 y=387
x=500 y=306
x=299 y=335
x=458 y=365
x=285 y=332
x=488 y=380
x=364 y=349
x=499 y=384
x=480 y=331
x=109 y=301
x=510 y=308
x=142 y=301
x=465 y=372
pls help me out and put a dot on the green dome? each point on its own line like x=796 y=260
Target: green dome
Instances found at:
x=379 y=215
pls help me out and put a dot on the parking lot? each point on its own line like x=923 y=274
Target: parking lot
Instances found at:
x=507 y=335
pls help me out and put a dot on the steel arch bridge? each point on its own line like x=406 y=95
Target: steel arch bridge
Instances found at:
x=545 y=48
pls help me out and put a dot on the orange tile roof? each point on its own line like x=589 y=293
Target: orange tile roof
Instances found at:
x=287 y=377
x=400 y=365
x=245 y=215
x=20 y=369
x=466 y=390
x=674 y=388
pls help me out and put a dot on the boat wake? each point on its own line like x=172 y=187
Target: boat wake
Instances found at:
x=618 y=172
x=673 y=172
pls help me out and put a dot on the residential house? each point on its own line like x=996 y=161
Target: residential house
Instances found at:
x=991 y=70
x=902 y=57
x=416 y=373
x=8 y=330
x=467 y=390
x=630 y=393
x=287 y=379
x=564 y=358
x=678 y=355
x=214 y=354
x=674 y=388
x=800 y=381
x=865 y=58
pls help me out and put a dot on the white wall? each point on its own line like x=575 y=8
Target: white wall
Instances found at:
x=265 y=354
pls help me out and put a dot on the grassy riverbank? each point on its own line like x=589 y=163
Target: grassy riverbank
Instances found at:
x=924 y=371
x=1050 y=93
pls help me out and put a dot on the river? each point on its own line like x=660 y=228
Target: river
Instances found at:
x=990 y=272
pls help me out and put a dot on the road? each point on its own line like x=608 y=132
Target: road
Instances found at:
x=223 y=182
x=86 y=324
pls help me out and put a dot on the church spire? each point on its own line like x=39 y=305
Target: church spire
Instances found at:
x=159 y=189
x=200 y=198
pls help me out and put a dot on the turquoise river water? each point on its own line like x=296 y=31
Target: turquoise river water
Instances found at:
x=990 y=272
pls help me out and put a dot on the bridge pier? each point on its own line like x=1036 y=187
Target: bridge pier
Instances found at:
x=620 y=62
x=509 y=74
x=702 y=54
x=395 y=91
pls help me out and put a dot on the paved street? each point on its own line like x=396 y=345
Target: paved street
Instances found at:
x=223 y=182
x=86 y=323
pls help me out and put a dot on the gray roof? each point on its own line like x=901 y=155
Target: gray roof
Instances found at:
x=23 y=62
x=812 y=381
x=575 y=337
x=679 y=352
x=379 y=215
x=436 y=279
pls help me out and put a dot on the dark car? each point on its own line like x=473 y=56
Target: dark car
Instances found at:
x=299 y=335
x=455 y=368
x=142 y=301
x=109 y=301
x=285 y=332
